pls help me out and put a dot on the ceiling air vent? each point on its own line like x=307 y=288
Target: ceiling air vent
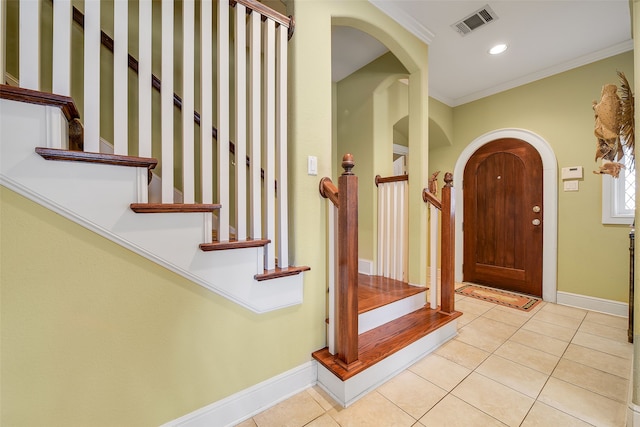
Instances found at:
x=474 y=21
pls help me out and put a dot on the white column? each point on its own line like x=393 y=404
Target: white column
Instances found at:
x=3 y=30
x=255 y=126
x=61 y=81
x=381 y=236
x=433 y=255
x=92 y=45
x=166 y=101
x=332 y=274
x=240 y=44
x=29 y=51
x=144 y=78
x=120 y=77
x=206 y=100
x=188 y=168
x=269 y=141
x=223 y=120
x=281 y=147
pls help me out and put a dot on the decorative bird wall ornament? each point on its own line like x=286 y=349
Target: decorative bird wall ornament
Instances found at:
x=614 y=127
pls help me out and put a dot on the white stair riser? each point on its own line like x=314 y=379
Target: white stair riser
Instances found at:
x=349 y=391
x=381 y=315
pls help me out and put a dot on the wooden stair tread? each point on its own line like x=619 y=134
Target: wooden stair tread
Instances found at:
x=29 y=96
x=385 y=340
x=104 y=158
x=234 y=244
x=378 y=291
x=280 y=272
x=173 y=207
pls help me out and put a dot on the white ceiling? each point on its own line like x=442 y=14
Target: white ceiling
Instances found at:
x=545 y=37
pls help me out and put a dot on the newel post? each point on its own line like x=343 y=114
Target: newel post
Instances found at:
x=347 y=292
x=447 y=246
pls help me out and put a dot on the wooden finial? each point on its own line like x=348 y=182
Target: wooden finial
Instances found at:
x=448 y=179
x=347 y=164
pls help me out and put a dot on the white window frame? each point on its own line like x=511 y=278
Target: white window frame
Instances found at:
x=613 y=200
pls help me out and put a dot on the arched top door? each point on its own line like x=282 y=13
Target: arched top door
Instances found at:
x=503 y=211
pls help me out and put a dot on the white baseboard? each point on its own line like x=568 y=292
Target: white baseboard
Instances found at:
x=366 y=266
x=601 y=305
x=249 y=402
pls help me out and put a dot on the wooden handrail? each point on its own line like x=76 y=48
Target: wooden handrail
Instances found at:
x=429 y=197
x=267 y=12
x=329 y=191
x=396 y=178
x=430 y=194
x=20 y=94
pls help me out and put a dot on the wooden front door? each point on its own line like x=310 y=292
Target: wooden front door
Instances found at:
x=502 y=223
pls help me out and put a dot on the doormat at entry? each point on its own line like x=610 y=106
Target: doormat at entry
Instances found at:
x=498 y=296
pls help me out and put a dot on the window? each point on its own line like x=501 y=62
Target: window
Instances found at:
x=619 y=195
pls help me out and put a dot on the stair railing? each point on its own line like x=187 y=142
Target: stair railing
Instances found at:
x=393 y=226
x=343 y=264
x=258 y=125
x=446 y=207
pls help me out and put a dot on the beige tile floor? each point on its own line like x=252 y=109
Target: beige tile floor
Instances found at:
x=554 y=366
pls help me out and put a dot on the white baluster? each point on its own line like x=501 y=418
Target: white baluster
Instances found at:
x=255 y=117
x=206 y=100
x=3 y=30
x=399 y=236
x=120 y=77
x=166 y=101
x=61 y=83
x=281 y=146
x=29 y=50
x=188 y=170
x=381 y=236
x=241 y=120
x=144 y=78
x=405 y=234
x=92 y=45
x=269 y=140
x=387 y=230
x=332 y=274
x=223 y=120
x=393 y=229
x=433 y=258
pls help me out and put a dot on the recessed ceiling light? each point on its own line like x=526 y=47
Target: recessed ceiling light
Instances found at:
x=498 y=49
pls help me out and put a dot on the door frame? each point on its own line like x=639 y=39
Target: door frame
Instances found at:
x=550 y=203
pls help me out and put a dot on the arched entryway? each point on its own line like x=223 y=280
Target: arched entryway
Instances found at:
x=550 y=200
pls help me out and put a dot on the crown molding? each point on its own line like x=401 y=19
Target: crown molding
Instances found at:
x=405 y=20
x=547 y=72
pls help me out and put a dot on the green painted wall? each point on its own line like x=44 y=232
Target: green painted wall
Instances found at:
x=95 y=335
x=592 y=258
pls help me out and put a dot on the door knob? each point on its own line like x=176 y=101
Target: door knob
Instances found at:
x=535 y=222
x=536 y=209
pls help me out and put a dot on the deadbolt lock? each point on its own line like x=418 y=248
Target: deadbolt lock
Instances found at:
x=536 y=209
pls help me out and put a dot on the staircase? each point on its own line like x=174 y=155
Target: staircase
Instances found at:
x=108 y=193
x=378 y=326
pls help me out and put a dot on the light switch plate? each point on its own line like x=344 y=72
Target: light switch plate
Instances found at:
x=571 y=185
x=312 y=165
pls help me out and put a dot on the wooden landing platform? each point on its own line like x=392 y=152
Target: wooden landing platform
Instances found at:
x=377 y=291
x=383 y=341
